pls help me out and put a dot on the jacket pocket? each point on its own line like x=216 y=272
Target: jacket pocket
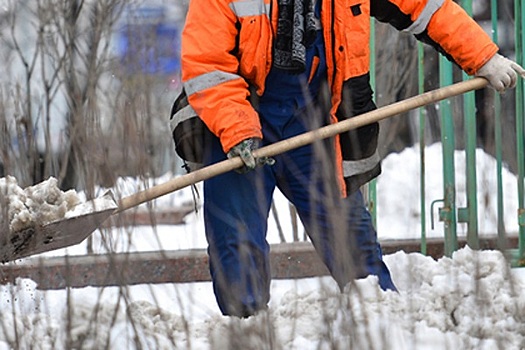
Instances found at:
x=357 y=37
x=254 y=48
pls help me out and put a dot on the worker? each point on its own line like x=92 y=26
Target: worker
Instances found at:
x=261 y=71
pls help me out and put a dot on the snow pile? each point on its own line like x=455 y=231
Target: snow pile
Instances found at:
x=470 y=301
x=35 y=205
x=474 y=299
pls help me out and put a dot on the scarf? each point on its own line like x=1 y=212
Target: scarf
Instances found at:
x=295 y=32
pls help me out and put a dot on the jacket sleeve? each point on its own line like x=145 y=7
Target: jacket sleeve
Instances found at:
x=216 y=92
x=442 y=24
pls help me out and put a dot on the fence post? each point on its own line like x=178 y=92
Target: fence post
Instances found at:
x=519 y=22
x=470 y=213
x=498 y=132
x=422 y=145
x=372 y=185
x=448 y=212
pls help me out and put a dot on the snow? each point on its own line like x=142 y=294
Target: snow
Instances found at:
x=35 y=205
x=471 y=300
x=106 y=202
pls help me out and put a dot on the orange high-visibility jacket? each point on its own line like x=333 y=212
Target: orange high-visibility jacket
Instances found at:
x=227 y=46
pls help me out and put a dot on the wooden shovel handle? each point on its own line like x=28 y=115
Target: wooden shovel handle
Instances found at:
x=379 y=114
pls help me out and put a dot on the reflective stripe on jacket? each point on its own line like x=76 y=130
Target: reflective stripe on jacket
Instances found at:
x=227 y=46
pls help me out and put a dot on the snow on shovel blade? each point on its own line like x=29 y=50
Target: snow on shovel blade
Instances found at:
x=73 y=229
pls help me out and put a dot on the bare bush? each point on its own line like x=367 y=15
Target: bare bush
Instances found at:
x=69 y=109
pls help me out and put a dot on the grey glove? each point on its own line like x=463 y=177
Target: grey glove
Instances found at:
x=501 y=72
x=244 y=150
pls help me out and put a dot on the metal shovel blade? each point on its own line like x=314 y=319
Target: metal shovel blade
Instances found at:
x=72 y=230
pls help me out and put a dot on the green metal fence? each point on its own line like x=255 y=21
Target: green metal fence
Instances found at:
x=449 y=213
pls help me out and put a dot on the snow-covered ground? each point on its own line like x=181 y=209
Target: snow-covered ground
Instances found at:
x=470 y=301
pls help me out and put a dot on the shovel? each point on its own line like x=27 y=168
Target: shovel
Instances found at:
x=74 y=229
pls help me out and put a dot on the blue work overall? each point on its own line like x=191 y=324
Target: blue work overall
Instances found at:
x=236 y=206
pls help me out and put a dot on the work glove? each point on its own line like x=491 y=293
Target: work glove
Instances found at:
x=244 y=150
x=501 y=73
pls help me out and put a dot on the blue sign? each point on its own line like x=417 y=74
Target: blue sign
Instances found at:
x=148 y=43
